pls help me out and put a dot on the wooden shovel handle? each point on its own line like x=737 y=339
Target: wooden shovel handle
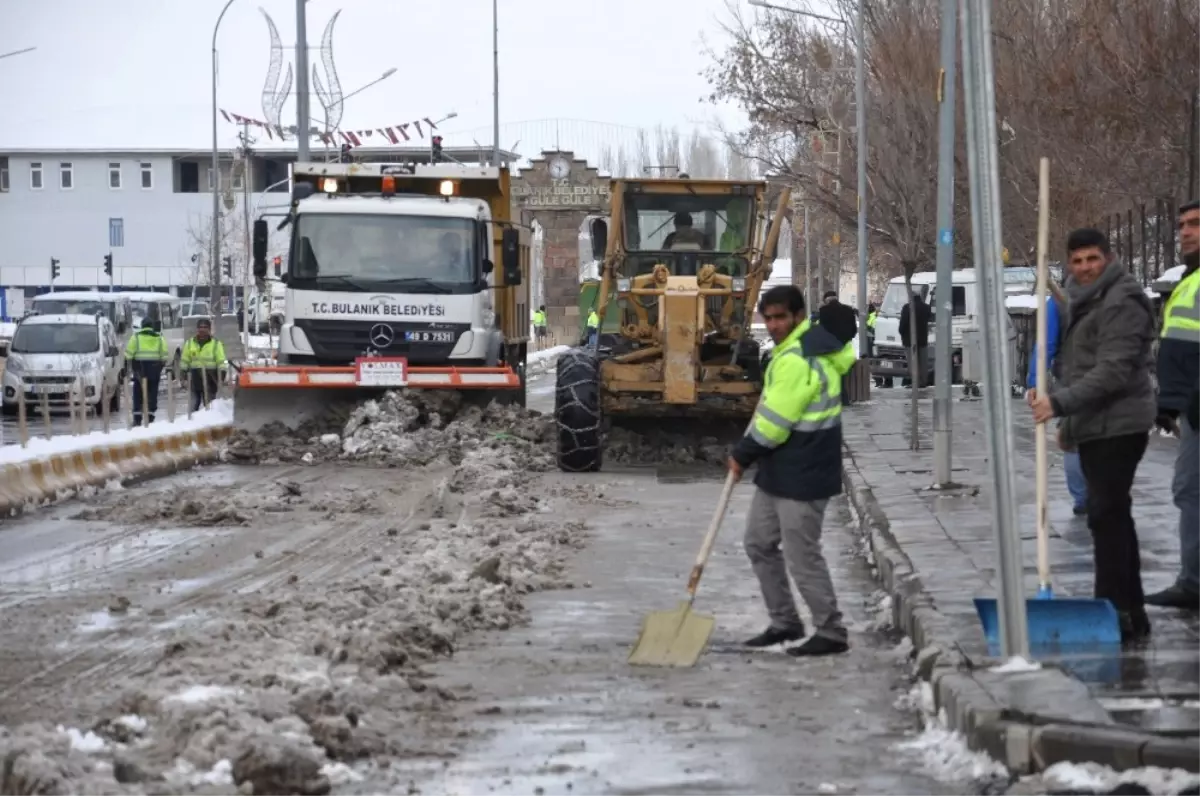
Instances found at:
x=711 y=536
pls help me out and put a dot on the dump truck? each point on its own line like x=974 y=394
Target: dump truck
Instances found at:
x=683 y=260
x=398 y=276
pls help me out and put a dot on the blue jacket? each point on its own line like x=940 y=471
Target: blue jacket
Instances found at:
x=1051 y=343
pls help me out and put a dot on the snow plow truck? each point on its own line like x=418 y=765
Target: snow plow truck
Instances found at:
x=398 y=276
x=683 y=260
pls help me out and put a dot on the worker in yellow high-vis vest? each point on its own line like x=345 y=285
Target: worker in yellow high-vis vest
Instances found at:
x=539 y=327
x=201 y=361
x=795 y=439
x=1178 y=374
x=145 y=357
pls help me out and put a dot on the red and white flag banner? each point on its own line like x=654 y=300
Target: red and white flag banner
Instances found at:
x=393 y=134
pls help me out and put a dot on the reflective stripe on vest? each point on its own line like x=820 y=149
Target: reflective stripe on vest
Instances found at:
x=822 y=414
x=1181 y=316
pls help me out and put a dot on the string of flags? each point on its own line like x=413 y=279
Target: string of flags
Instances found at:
x=393 y=134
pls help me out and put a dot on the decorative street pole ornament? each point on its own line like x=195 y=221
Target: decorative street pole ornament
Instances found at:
x=274 y=96
x=329 y=91
x=331 y=97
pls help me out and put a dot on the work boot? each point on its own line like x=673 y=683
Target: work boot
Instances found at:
x=776 y=635
x=819 y=645
x=1079 y=511
x=1175 y=597
x=1135 y=626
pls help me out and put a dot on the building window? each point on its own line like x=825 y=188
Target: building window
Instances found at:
x=35 y=176
x=114 y=176
x=116 y=232
x=147 y=176
x=66 y=176
x=3 y=175
x=237 y=178
x=210 y=178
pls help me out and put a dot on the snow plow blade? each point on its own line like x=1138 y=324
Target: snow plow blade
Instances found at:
x=292 y=395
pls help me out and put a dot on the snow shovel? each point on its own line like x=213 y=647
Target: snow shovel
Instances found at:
x=676 y=638
x=1055 y=624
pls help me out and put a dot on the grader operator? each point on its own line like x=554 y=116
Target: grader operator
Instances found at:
x=683 y=260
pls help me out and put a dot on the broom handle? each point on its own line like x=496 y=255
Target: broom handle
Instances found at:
x=1043 y=241
x=710 y=537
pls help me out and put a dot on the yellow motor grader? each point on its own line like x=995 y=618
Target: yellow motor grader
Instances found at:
x=684 y=260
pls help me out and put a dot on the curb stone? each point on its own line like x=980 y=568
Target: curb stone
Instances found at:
x=977 y=706
x=31 y=483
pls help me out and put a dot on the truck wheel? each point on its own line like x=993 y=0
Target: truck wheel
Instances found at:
x=577 y=411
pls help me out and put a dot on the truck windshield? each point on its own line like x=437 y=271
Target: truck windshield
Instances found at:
x=350 y=249
x=56 y=338
x=894 y=300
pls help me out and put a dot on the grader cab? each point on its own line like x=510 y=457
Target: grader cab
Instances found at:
x=683 y=261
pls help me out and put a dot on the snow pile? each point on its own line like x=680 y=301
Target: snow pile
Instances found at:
x=1095 y=778
x=942 y=753
x=217 y=507
x=538 y=362
x=403 y=429
x=318 y=678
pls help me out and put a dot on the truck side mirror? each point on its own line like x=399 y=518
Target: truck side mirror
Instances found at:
x=599 y=238
x=510 y=255
x=261 y=232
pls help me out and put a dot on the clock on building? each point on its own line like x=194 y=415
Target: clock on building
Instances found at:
x=560 y=168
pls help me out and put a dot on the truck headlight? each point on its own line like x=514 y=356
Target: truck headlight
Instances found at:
x=624 y=284
x=738 y=284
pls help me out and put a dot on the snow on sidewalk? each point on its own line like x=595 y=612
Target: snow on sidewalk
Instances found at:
x=219 y=414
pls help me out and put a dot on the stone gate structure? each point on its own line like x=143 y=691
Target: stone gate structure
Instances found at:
x=559 y=191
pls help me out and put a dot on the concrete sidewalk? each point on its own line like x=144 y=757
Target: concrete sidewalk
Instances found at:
x=937 y=553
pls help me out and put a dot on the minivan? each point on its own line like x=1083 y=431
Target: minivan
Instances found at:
x=114 y=306
x=49 y=353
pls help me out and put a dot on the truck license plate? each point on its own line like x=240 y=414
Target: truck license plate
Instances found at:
x=48 y=389
x=381 y=371
x=422 y=336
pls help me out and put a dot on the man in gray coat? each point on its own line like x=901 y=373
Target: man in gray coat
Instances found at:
x=1106 y=400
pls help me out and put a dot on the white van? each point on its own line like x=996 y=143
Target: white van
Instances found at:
x=50 y=353
x=168 y=311
x=890 y=359
x=114 y=306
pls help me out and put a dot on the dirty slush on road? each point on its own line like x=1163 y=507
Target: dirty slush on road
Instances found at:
x=291 y=687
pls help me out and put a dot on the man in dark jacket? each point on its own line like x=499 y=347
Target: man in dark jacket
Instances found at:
x=795 y=438
x=1106 y=399
x=1179 y=408
x=918 y=348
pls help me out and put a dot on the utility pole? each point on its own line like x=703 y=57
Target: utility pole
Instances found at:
x=860 y=93
x=495 y=82
x=943 y=368
x=247 y=175
x=302 y=120
x=807 y=262
x=979 y=88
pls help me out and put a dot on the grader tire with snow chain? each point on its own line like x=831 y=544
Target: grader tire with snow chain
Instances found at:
x=577 y=411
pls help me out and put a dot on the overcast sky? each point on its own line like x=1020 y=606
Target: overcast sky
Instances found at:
x=136 y=73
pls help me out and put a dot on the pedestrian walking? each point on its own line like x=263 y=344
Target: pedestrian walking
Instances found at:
x=1076 y=483
x=918 y=348
x=795 y=439
x=1106 y=401
x=1179 y=409
x=593 y=326
x=145 y=357
x=201 y=360
x=872 y=316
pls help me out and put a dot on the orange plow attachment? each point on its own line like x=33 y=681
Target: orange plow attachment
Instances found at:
x=292 y=394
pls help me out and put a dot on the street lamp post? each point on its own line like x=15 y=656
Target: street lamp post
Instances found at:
x=302 y=123
x=214 y=266
x=495 y=84
x=380 y=79
x=17 y=52
x=860 y=99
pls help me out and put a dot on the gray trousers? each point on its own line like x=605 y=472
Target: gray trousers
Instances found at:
x=1186 y=489
x=778 y=531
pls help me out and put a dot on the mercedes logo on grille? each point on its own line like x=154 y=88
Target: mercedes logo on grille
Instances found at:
x=382 y=335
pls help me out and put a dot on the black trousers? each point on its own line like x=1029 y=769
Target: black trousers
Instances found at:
x=152 y=373
x=202 y=387
x=1109 y=466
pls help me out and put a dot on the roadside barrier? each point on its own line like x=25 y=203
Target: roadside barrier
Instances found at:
x=56 y=475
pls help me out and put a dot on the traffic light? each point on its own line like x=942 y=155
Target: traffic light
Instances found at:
x=228 y=269
x=278 y=265
x=54 y=269
x=435 y=155
x=108 y=269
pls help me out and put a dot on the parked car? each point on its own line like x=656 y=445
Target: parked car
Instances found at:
x=50 y=354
